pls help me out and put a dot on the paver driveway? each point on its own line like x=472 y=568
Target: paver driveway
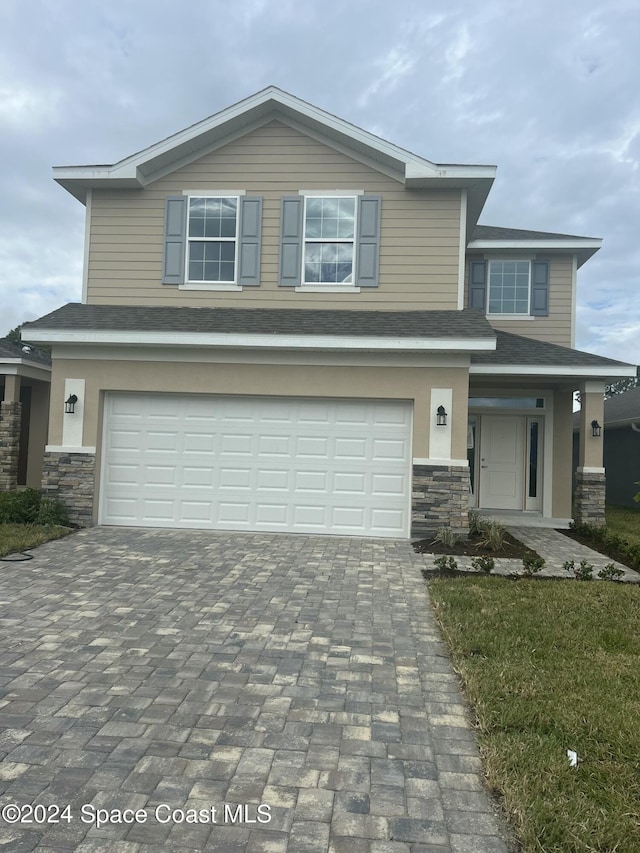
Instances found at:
x=179 y=672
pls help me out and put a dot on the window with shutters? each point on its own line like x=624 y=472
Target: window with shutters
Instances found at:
x=212 y=239
x=330 y=240
x=509 y=283
x=510 y=287
x=329 y=235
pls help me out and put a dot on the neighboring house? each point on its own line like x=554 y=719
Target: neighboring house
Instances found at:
x=25 y=376
x=289 y=324
x=621 y=437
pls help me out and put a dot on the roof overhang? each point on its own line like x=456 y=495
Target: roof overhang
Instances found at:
x=372 y=343
x=156 y=161
x=26 y=369
x=583 y=249
x=560 y=372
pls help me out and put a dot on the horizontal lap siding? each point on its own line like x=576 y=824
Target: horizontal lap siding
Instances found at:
x=419 y=230
x=556 y=328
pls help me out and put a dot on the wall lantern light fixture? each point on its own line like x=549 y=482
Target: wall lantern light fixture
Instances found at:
x=441 y=416
x=70 y=404
x=596 y=429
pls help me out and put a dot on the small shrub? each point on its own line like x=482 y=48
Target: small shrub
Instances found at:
x=484 y=564
x=493 y=535
x=476 y=522
x=52 y=512
x=610 y=573
x=446 y=564
x=448 y=537
x=583 y=572
x=532 y=563
x=19 y=507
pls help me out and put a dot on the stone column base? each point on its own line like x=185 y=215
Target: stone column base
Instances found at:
x=589 y=498
x=70 y=477
x=440 y=498
x=10 y=421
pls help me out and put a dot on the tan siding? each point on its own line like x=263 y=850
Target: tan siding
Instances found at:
x=419 y=231
x=556 y=328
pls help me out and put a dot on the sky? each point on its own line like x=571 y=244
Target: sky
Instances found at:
x=547 y=91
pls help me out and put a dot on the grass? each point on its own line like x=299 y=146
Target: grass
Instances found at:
x=549 y=667
x=625 y=522
x=21 y=537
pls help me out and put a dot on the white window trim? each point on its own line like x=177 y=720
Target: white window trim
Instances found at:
x=511 y=315
x=329 y=286
x=232 y=286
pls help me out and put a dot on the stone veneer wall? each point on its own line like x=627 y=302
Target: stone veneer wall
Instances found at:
x=589 y=498
x=440 y=498
x=70 y=477
x=10 y=420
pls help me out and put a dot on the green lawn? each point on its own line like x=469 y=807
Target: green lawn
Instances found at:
x=550 y=666
x=20 y=537
x=625 y=522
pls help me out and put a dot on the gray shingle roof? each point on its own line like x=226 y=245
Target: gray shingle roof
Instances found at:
x=517 y=350
x=300 y=321
x=11 y=350
x=493 y=232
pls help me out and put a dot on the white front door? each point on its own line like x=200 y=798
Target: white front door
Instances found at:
x=502 y=454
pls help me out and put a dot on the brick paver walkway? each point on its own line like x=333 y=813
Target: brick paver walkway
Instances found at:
x=173 y=673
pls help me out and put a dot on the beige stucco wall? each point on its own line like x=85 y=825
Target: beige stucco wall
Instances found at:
x=556 y=328
x=357 y=381
x=590 y=453
x=37 y=432
x=562 y=453
x=420 y=229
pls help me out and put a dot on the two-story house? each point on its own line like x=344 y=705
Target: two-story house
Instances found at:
x=290 y=324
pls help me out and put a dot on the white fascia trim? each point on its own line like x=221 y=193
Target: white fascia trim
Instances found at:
x=462 y=252
x=24 y=369
x=412 y=165
x=586 y=243
x=62 y=448
x=87 y=243
x=457 y=463
x=244 y=341
x=559 y=370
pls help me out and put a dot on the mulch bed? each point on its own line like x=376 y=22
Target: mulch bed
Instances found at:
x=608 y=550
x=472 y=547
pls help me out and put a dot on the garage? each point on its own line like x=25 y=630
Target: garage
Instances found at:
x=276 y=464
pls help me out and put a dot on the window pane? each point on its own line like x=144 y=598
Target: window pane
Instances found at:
x=509 y=287
x=508 y=402
x=212 y=217
x=330 y=263
x=212 y=261
x=329 y=218
x=533 y=459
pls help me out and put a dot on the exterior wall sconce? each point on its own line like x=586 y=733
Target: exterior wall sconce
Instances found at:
x=441 y=416
x=70 y=405
x=596 y=429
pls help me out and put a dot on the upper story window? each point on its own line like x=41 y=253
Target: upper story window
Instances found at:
x=330 y=241
x=509 y=287
x=212 y=239
x=329 y=236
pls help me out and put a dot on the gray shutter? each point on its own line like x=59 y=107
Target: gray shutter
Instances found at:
x=175 y=237
x=478 y=285
x=539 y=288
x=368 y=241
x=291 y=241
x=250 y=241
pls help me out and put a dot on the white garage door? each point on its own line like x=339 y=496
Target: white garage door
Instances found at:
x=257 y=463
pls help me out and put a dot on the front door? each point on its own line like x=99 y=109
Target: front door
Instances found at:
x=502 y=449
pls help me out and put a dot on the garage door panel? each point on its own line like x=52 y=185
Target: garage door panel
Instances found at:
x=242 y=463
